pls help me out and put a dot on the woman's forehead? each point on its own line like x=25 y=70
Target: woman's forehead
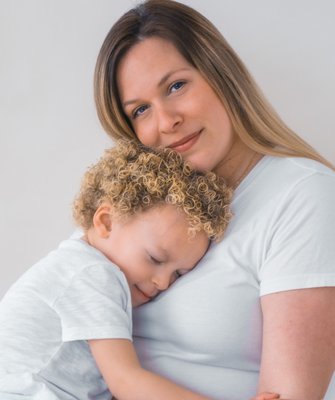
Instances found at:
x=150 y=60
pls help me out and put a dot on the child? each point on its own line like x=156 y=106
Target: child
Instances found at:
x=66 y=325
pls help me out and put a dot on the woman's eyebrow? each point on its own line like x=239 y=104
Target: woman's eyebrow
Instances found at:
x=160 y=83
x=167 y=76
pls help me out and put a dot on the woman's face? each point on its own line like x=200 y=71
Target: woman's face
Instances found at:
x=170 y=104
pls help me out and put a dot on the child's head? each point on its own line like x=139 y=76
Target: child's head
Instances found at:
x=151 y=214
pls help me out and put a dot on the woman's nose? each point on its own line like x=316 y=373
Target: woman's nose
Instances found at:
x=168 y=119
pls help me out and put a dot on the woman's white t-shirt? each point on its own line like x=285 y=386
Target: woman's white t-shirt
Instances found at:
x=205 y=332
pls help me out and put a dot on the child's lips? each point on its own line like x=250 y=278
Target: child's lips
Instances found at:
x=147 y=295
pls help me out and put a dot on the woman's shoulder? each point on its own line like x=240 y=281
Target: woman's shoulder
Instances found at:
x=297 y=182
x=288 y=172
x=298 y=166
x=278 y=180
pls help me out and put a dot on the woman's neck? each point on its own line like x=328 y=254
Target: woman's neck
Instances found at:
x=238 y=163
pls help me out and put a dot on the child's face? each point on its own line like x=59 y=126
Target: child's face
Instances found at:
x=153 y=249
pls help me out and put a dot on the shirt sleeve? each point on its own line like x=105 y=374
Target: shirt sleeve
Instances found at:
x=300 y=252
x=95 y=305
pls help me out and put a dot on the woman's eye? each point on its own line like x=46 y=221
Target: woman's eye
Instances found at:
x=176 y=86
x=139 y=111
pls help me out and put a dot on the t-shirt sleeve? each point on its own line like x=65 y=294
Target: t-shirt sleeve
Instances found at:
x=300 y=252
x=95 y=305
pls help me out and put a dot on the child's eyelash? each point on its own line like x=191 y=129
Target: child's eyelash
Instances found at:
x=154 y=260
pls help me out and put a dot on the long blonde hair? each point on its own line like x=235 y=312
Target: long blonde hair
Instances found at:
x=203 y=46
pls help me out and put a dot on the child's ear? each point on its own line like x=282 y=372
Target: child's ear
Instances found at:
x=102 y=220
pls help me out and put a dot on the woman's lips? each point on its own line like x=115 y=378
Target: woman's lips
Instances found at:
x=186 y=143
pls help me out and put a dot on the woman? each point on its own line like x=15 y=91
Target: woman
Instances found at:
x=257 y=314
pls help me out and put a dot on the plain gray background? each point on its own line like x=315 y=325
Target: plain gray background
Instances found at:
x=49 y=132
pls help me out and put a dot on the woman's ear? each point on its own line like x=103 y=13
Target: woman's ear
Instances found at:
x=102 y=220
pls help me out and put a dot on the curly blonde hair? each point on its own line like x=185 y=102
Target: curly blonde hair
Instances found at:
x=134 y=178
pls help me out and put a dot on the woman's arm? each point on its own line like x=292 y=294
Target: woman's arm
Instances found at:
x=298 y=357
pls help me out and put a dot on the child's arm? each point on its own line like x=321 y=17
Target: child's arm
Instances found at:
x=266 y=396
x=127 y=380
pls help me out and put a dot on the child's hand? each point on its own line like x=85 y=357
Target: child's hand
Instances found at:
x=266 y=396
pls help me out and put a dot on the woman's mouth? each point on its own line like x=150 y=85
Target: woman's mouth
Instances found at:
x=186 y=143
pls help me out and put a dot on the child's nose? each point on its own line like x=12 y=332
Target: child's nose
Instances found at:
x=163 y=280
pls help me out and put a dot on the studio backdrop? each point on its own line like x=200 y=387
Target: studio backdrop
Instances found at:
x=49 y=131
